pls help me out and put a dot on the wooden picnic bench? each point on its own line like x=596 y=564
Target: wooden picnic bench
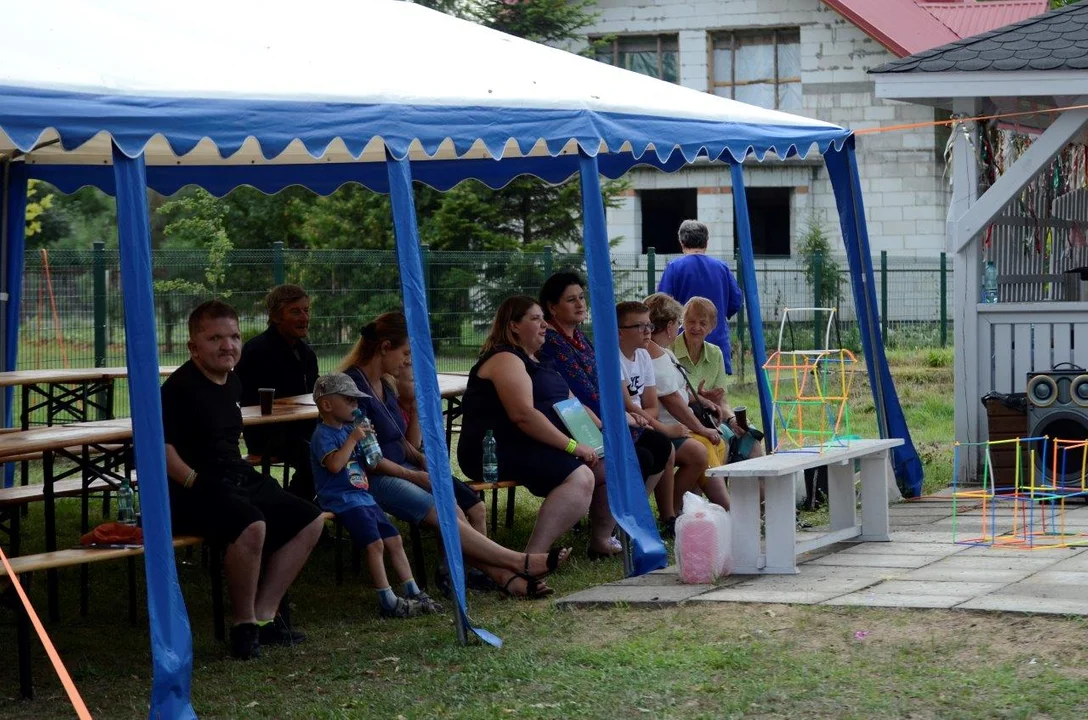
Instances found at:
x=25 y=565
x=780 y=473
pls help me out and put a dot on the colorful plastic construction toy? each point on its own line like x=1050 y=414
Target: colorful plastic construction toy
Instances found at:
x=1026 y=511
x=810 y=391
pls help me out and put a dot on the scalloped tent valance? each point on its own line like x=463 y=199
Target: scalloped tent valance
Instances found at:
x=244 y=83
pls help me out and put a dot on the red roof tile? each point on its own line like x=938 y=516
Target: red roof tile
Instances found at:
x=971 y=18
x=910 y=26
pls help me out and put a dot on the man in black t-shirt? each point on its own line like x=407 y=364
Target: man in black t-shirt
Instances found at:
x=280 y=358
x=216 y=494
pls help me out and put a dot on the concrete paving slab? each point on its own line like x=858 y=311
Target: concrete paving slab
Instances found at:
x=938 y=572
x=1049 y=554
x=922 y=535
x=919 y=587
x=1053 y=576
x=1026 y=604
x=654 y=596
x=797 y=589
x=887 y=560
x=1025 y=561
x=868 y=599
x=1077 y=561
x=901 y=548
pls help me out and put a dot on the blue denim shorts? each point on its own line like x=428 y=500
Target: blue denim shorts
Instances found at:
x=409 y=502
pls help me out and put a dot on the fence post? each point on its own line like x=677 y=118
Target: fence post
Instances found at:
x=549 y=261
x=817 y=298
x=278 y=274
x=99 y=272
x=651 y=270
x=944 y=299
x=884 y=295
x=740 y=324
x=425 y=251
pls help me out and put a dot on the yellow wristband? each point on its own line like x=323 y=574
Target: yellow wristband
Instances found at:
x=572 y=445
x=189 y=479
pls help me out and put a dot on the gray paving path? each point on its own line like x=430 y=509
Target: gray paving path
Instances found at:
x=927 y=564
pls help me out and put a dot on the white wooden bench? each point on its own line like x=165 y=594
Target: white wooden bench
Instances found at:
x=780 y=474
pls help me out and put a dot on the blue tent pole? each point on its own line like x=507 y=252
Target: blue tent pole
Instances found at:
x=171 y=637
x=626 y=490
x=842 y=168
x=14 y=229
x=428 y=396
x=751 y=301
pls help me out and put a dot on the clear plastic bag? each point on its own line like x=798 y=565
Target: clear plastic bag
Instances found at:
x=704 y=541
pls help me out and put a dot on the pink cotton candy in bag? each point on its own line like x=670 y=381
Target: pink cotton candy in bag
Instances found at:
x=704 y=541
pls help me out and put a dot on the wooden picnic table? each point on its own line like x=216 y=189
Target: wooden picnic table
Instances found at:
x=67 y=395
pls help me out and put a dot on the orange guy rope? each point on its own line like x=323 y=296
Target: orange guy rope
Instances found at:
x=65 y=679
x=954 y=121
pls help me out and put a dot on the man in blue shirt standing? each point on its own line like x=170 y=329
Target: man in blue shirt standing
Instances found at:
x=698 y=274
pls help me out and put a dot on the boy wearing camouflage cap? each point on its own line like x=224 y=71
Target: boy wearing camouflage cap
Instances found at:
x=336 y=455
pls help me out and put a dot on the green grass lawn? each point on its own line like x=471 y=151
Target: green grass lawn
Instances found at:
x=736 y=660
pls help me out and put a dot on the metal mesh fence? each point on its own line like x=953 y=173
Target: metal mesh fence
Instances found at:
x=60 y=305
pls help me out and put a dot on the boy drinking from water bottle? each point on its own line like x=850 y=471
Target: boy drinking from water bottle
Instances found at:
x=336 y=455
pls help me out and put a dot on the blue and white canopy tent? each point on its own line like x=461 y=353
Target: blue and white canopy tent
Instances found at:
x=125 y=95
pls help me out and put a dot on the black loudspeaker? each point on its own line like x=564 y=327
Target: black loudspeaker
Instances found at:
x=1058 y=409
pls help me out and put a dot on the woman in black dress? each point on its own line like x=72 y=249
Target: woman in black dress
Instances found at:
x=511 y=391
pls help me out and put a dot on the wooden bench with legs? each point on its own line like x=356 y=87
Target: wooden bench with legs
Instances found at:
x=25 y=565
x=780 y=474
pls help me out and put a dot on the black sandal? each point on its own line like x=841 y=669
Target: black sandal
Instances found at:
x=532 y=587
x=555 y=557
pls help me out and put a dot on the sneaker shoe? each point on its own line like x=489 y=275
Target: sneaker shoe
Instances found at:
x=403 y=609
x=278 y=632
x=244 y=644
x=427 y=606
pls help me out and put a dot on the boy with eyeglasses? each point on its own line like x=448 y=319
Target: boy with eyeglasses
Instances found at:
x=653 y=447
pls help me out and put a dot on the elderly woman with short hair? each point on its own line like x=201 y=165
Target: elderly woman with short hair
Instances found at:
x=704 y=363
x=676 y=406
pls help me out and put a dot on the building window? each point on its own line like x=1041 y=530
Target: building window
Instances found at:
x=760 y=68
x=655 y=55
x=662 y=213
x=769 y=215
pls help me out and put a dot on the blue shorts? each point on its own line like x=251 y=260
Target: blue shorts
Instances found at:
x=367 y=523
x=409 y=502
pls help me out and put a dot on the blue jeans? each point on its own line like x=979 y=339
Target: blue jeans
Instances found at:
x=409 y=502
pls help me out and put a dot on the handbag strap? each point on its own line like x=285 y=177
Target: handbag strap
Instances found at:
x=684 y=374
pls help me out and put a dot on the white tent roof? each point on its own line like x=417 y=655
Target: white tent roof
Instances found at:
x=250 y=80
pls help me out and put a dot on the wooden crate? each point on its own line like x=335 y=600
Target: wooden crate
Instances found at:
x=1005 y=423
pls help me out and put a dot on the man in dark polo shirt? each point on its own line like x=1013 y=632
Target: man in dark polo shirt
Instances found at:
x=267 y=533
x=280 y=358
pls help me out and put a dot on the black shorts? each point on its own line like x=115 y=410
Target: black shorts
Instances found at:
x=652 y=449
x=220 y=508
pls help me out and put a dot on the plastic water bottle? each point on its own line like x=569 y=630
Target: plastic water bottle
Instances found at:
x=491 y=459
x=372 y=451
x=989 y=282
x=126 y=504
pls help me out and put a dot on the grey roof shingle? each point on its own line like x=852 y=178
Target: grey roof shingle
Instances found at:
x=1057 y=40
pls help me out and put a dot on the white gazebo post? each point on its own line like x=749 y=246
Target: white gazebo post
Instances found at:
x=965 y=276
